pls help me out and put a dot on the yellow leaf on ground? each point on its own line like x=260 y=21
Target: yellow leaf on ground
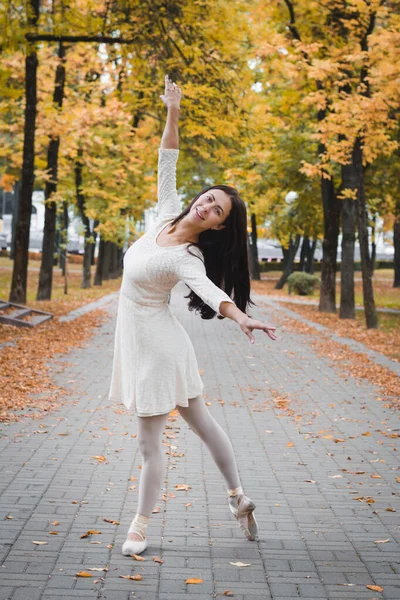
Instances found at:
x=240 y=564
x=89 y=532
x=375 y=588
x=228 y=593
x=390 y=509
x=84 y=574
x=289 y=444
x=111 y=521
x=183 y=486
x=137 y=557
x=382 y=541
x=194 y=580
x=157 y=559
x=99 y=458
x=134 y=577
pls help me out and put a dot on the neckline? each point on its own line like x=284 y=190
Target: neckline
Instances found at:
x=168 y=247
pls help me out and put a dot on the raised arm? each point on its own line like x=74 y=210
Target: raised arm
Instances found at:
x=171 y=98
x=168 y=201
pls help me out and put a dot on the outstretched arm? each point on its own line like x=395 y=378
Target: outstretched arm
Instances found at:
x=171 y=98
x=246 y=324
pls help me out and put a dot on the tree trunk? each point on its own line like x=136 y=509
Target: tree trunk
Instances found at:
x=64 y=223
x=106 y=261
x=98 y=278
x=87 y=256
x=373 y=245
x=331 y=210
x=289 y=256
x=19 y=281
x=368 y=292
x=305 y=248
x=50 y=214
x=80 y=200
x=94 y=234
x=254 y=264
x=310 y=257
x=349 y=182
x=396 y=244
x=347 y=302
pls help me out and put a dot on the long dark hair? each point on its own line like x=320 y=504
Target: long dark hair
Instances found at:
x=225 y=254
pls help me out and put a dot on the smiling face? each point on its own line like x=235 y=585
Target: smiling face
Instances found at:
x=210 y=210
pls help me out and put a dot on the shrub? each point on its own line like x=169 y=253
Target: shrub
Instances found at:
x=302 y=283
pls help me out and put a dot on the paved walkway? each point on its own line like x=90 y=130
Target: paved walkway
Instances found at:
x=316 y=451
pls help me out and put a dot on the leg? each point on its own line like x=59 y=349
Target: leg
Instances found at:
x=205 y=426
x=150 y=431
x=203 y=423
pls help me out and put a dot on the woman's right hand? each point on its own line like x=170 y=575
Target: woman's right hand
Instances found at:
x=172 y=94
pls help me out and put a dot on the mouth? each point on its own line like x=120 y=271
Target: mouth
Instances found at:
x=199 y=215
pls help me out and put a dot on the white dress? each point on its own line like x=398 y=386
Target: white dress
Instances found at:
x=155 y=367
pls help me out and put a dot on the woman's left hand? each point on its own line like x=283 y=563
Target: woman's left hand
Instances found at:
x=248 y=325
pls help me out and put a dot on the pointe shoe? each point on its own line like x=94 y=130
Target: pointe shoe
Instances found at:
x=130 y=547
x=244 y=514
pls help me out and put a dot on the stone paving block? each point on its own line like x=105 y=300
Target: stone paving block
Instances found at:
x=23 y=594
x=313 y=537
x=6 y=592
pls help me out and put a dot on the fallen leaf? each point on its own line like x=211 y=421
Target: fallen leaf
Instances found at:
x=83 y=574
x=183 y=486
x=9 y=517
x=382 y=541
x=338 y=440
x=111 y=521
x=53 y=532
x=366 y=433
x=335 y=476
x=390 y=509
x=375 y=588
x=327 y=437
x=156 y=510
x=188 y=504
x=97 y=568
x=157 y=559
x=89 y=532
x=289 y=445
x=228 y=593
x=134 y=577
x=194 y=580
x=310 y=481
x=240 y=564
x=39 y=543
x=99 y=458
x=55 y=523
x=374 y=476
x=137 y=557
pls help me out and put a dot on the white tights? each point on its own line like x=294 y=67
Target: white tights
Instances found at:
x=150 y=430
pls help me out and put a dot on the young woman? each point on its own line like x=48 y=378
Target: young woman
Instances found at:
x=155 y=368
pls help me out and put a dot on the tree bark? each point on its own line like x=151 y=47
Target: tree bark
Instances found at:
x=20 y=269
x=50 y=214
x=305 y=248
x=289 y=256
x=80 y=200
x=106 y=261
x=347 y=301
x=64 y=223
x=98 y=278
x=362 y=221
x=254 y=263
x=331 y=209
x=373 y=245
x=396 y=243
x=310 y=257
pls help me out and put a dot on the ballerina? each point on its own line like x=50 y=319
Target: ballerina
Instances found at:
x=155 y=368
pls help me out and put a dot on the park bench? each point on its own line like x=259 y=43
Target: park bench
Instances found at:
x=22 y=316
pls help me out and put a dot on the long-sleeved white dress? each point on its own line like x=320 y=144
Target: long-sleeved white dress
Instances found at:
x=155 y=366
